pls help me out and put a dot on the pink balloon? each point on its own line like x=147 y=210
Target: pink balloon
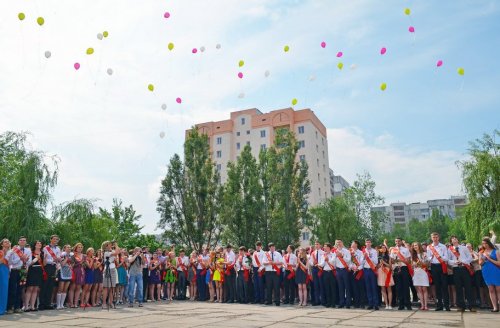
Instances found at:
x=439 y=63
x=323 y=44
x=76 y=66
x=383 y=51
x=166 y=14
x=240 y=75
x=339 y=54
x=411 y=29
x=194 y=50
x=178 y=100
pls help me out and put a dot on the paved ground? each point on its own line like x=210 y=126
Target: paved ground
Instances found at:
x=189 y=314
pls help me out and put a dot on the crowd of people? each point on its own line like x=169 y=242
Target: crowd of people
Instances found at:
x=44 y=277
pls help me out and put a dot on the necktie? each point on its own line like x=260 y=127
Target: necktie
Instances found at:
x=22 y=250
x=272 y=256
x=317 y=256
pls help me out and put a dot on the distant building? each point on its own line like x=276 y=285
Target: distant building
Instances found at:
x=337 y=184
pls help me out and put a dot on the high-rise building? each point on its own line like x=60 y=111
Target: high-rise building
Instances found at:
x=337 y=184
x=228 y=138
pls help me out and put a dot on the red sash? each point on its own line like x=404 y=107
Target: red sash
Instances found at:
x=229 y=267
x=388 y=276
x=428 y=273
x=2 y=258
x=51 y=252
x=183 y=267
x=467 y=266
x=304 y=269
x=289 y=267
x=332 y=267
x=256 y=258
x=369 y=261
x=315 y=262
x=274 y=265
x=403 y=259
x=444 y=267
x=354 y=259
x=18 y=253
x=341 y=259
x=204 y=269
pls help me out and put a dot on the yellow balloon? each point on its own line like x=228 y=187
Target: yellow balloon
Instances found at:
x=461 y=71
x=383 y=86
x=407 y=11
x=105 y=34
x=90 y=51
x=286 y=48
x=340 y=65
x=294 y=101
x=170 y=46
x=241 y=63
x=151 y=87
x=40 y=21
x=21 y=16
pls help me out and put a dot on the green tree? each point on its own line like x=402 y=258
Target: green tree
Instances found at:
x=142 y=240
x=190 y=195
x=418 y=231
x=269 y=180
x=481 y=180
x=334 y=218
x=27 y=178
x=439 y=223
x=241 y=211
x=125 y=219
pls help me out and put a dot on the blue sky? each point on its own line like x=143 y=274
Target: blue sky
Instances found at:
x=105 y=129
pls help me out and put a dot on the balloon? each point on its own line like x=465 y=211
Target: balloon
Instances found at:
x=166 y=14
x=240 y=75
x=90 y=51
x=323 y=44
x=407 y=11
x=178 y=100
x=353 y=66
x=40 y=21
x=202 y=49
x=294 y=101
x=99 y=36
x=21 y=16
x=286 y=48
x=151 y=87
x=194 y=50
x=162 y=134
x=241 y=63
x=461 y=71
x=339 y=54
x=164 y=106
x=218 y=46
x=383 y=86
x=411 y=29
x=48 y=54
x=340 y=65
x=76 y=66
x=241 y=95
x=439 y=63
x=312 y=78
x=105 y=34
x=267 y=73
x=170 y=46
x=109 y=71
x=383 y=51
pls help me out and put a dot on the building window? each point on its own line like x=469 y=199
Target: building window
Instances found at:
x=324 y=169
x=262 y=133
x=238 y=134
x=319 y=192
x=322 y=141
x=219 y=153
x=238 y=145
x=316 y=134
x=323 y=154
x=302 y=144
x=302 y=158
x=319 y=177
x=219 y=140
x=248 y=131
x=317 y=162
x=324 y=181
x=242 y=121
x=263 y=146
x=317 y=148
x=326 y=195
x=219 y=167
x=301 y=129
x=305 y=235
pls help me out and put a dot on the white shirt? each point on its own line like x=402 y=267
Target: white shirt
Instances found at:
x=441 y=250
x=327 y=261
x=316 y=256
x=184 y=260
x=347 y=258
x=260 y=256
x=292 y=260
x=204 y=259
x=230 y=257
x=361 y=260
x=48 y=258
x=372 y=254
x=242 y=263
x=273 y=256
x=15 y=262
x=463 y=254
x=110 y=258
x=394 y=255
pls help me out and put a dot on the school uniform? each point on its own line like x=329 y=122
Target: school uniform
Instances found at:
x=16 y=265
x=356 y=277
x=289 y=263
x=201 y=273
x=230 y=277
x=401 y=275
x=327 y=263
x=462 y=274
x=182 y=267
x=318 y=295
x=272 y=277
x=258 y=276
x=242 y=266
x=369 y=277
x=343 y=277
x=50 y=269
x=439 y=260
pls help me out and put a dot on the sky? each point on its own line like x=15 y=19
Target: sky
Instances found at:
x=105 y=129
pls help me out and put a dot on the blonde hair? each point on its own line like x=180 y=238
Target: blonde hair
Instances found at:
x=105 y=244
x=76 y=246
x=90 y=249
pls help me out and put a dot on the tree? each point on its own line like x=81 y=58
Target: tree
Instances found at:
x=190 y=195
x=418 y=231
x=439 y=223
x=142 y=240
x=241 y=211
x=27 y=178
x=125 y=219
x=481 y=180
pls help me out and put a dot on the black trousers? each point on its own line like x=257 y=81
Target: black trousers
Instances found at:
x=358 y=290
x=181 y=285
x=230 y=282
x=242 y=287
x=145 y=284
x=47 y=287
x=272 y=285
x=290 y=288
x=440 y=280
x=330 y=287
x=462 y=280
x=402 y=282
x=15 y=290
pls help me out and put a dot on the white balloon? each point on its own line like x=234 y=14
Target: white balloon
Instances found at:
x=267 y=73
x=218 y=46
x=109 y=71
x=312 y=77
x=241 y=95
x=99 y=36
x=48 y=54
x=162 y=134
x=202 y=49
x=353 y=66
x=164 y=106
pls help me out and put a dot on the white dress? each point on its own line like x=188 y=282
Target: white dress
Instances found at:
x=420 y=277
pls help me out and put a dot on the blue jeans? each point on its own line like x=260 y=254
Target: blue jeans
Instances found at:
x=371 y=287
x=258 y=286
x=133 y=281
